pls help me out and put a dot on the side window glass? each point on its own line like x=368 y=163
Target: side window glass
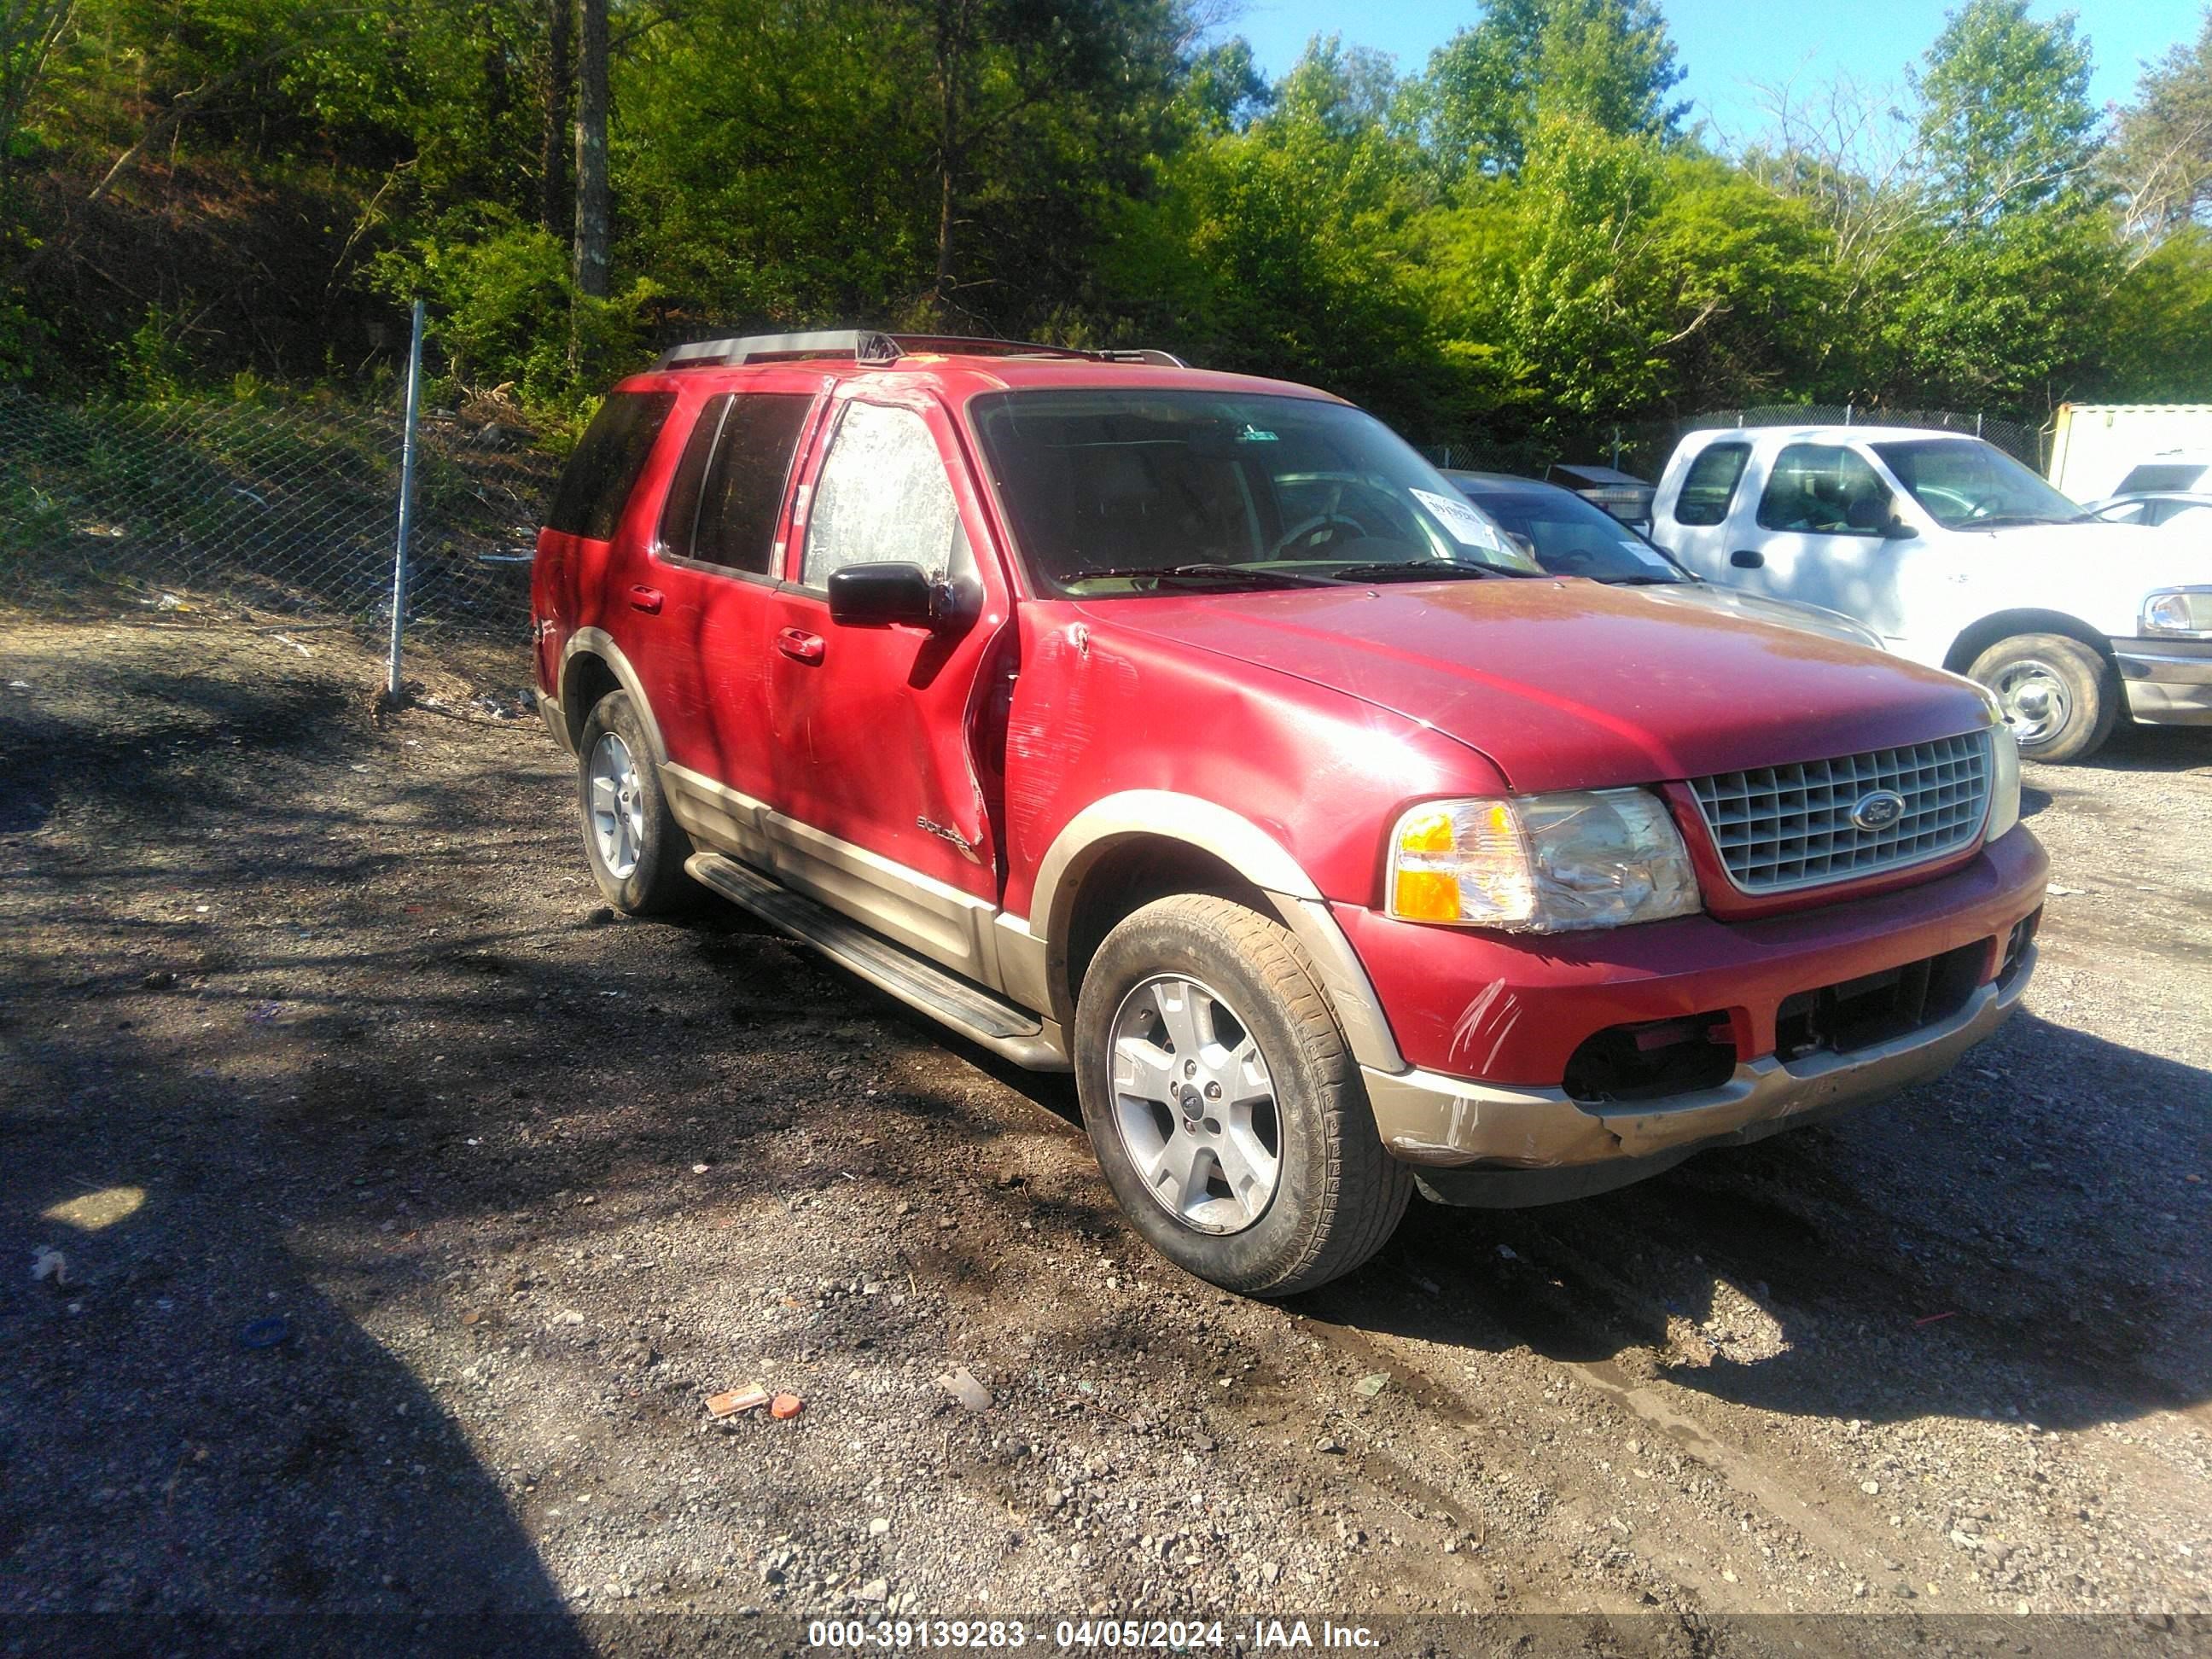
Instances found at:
x=882 y=498
x=1823 y=489
x=679 y=516
x=596 y=483
x=2129 y=512
x=742 y=495
x=1710 y=484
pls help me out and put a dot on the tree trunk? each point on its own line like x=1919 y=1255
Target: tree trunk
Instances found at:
x=555 y=212
x=950 y=26
x=594 y=203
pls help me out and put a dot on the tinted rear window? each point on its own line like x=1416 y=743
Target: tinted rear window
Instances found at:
x=1711 y=483
x=599 y=475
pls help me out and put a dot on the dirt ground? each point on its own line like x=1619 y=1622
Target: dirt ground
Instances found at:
x=409 y=1207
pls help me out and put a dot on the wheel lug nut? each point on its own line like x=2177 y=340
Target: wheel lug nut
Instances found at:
x=1190 y=1068
x=1213 y=1091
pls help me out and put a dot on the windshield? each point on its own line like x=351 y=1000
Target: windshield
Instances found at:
x=1965 y=484
x=1571 y=536
x=1116 y=492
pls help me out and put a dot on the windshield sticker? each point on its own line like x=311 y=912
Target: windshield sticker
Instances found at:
x=1648 y=556
x=1468 y=527
x=1253 y=434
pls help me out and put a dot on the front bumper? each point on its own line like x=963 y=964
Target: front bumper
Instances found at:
x=1517 y=1009
x=2169 y=682
x=1517 y=1135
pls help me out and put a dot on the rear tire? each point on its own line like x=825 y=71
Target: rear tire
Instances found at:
x=2059 y=696
x=636 y=847
x=1246 y=1152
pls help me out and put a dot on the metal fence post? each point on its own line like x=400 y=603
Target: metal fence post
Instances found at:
x=406 y=505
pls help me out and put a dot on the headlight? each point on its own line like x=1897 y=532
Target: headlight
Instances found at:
x=2183 y=611
x=1542 y=864
x=2004 y=781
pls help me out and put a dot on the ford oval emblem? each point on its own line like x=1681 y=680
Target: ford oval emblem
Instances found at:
x=1878 y=810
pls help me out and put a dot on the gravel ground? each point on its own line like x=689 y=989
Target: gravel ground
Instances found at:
x=409 y=1207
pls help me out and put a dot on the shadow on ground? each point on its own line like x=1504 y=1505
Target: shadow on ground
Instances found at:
x=1977 y=1247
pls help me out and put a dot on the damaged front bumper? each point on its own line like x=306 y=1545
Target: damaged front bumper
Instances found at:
x=1479 y=1144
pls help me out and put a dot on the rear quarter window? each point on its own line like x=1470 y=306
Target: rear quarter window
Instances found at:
x=599 y=475
x=1710 y=484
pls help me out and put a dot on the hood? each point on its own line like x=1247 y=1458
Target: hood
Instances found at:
x=1568 y=683
x=2137 y=549
x=1759 y=607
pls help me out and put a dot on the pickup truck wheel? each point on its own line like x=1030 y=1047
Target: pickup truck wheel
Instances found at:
x=1225 y=1109
x=2059 y=695
x=636 y=847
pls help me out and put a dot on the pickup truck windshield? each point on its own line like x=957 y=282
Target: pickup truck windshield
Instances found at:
x=1115 y=493
x=1965 y=484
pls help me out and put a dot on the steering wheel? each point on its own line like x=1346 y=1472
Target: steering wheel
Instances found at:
x=1320 y=521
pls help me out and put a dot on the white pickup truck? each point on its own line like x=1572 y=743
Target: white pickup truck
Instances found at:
x=1959 y=557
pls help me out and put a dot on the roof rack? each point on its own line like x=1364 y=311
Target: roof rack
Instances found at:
x=866 y=345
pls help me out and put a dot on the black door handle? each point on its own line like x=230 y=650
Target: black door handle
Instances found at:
x=1744 y=559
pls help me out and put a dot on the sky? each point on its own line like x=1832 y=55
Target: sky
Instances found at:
x=1726 y=45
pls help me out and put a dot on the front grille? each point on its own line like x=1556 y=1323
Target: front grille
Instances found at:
x=1781 y=827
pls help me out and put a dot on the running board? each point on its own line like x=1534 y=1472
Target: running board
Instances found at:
x=967 y=1009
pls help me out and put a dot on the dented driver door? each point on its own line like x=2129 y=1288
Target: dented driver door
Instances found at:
x=874 y=725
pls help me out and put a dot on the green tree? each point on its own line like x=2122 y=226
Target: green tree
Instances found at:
x=1610 y=62
x=2160 y=162
x=1992 y=297
x=2005 y=119
x=2159 y=327
x=1284 y=249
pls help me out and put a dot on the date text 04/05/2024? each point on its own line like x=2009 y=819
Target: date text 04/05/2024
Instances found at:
x=1170 y=1635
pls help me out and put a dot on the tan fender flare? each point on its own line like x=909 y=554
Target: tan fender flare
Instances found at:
x=1167 y=815
x=596 y=642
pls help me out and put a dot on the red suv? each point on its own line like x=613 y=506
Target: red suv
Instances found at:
x=1190 y=731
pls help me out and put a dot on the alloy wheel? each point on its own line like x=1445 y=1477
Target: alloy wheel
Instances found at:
x=1195 y=1104
x=618 y=806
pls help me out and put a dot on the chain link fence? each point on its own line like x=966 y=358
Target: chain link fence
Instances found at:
x=273 y=508
x=1640 y=447
x=2022 y=442
x=286 y=507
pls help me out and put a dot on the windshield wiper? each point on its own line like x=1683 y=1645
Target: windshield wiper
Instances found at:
x=1639 y=580
x=1424 y=569
x=1198 y=572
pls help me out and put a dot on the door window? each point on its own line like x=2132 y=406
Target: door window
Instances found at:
x=1710 y=485
x=1823 y=489
x=882 y=498
x=724 y=503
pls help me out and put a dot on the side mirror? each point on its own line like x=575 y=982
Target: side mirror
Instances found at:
x=877 y=595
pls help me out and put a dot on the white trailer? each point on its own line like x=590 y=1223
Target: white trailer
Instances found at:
x=2095 y=447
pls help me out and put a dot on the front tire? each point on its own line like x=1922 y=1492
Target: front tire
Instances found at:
x=1224 y=1106
x=636 y=847
x=2059 y=696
